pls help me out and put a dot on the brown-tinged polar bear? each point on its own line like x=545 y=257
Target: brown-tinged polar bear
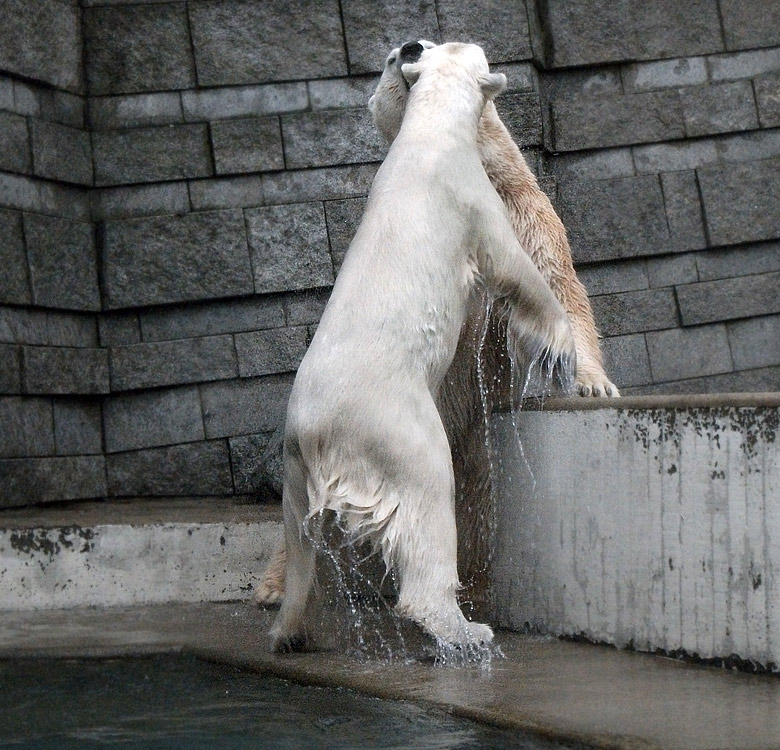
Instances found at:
x=463 y=402
x=364 y=438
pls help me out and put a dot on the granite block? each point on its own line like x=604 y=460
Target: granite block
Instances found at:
x=661 y=74
x=152 y=418
x=10 y=369
x=741 y=201
x=738 y=261
x=331 y=137
x=522 y=115
x=306 y=308
x=31 y=326
x=767 y=88
x=140 y=200
x=747 y=64
x=755 y=342
x=342 y=93
x=704 y=111
x=618 y=218
x=289 y=246
x=78 y=426
x=247 y=145
x=602 y=164
x=135 y=110
x=243 y=42
x=245 y=454
x=173 y=152
x=373 y=27
x=14 y=143
x=14 y=280
x=761 y=380
x=632 y=312
x=615 y=120
x=133 y=48
x=245 y=406
x=28 y=427
x=343 y=218
x=746 y=25
x=330 y=183
x=626 y=360
x=150 y=365
x=63 y=263
x=212 y=318
x=726 y=299
x=683 y=210
x=244 y=101
x=61 y=152
x=501 y=29
x=191 y=469
x=671 y=270
x=231 y=192
x=64 y=370
x=675 y=157
x=30 y=481
x=168 y=259
x=119 y=328
x=42 y=41
x=611 y=278
x=683 y=353
x=272 y=351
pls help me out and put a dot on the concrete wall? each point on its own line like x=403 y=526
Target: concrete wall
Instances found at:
x=654 y=525
x=179 y=182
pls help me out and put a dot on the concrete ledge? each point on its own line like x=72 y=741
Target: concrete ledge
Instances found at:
x=108 y=554
x=645 y=522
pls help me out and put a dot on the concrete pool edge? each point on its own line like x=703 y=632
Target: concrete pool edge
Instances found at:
x=578 y=694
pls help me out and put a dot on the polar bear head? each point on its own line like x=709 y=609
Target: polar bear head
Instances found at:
x=404 y=65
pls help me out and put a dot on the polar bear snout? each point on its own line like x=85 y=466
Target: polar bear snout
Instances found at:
x=410 y=52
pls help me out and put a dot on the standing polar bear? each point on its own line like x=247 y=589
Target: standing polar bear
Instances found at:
x=480 y=359
x=364 y=438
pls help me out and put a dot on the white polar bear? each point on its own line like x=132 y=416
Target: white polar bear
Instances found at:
x=363 y=436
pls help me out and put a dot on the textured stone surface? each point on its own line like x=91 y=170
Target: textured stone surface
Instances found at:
x=738 y=261
x=42 y=41
x=343 y=220
x=119 y=328
x=742 y=201
x=317 y=184
x=212 y=318
x=241 y=41
x=14 y=148
x=748 y=26
x=245 y=454
x=613 y=120
x=273 y=351
x=688 y=352
x=289 y=246
x=138 y=48
x=306 y=307
x=626 y=360
x=14 y=283
x=149 y=365
x=682 y=71
x=590 y=32
x=231 y=192
x=501 y=29
x=672 y=269
x=175 y=258
x=29 y=326
x=725 y=299
x=61 y=152
x=760 y=380
x=140 y=200
x=341 y=93
x=743 y=64
x=592 y=165
x=608 y=219
x=705 y=113
x=18 y=191
x=675 y=156
x=755 y=342
x=629 y=312
x=78 y=426
x=247 y=145
x=63 y=263
x=683 y=210
x=242 y=407
x=767 y=88
x=522 y=115
x=244 y=101
x=27 y=481
x=10 y=369
x=374 y=27
x=134 y=111
x=610 y=278
x=63 y=370
x=190 y=469
x=152 y=418
x=151 y=154
x=28 y=427
x=320 y=139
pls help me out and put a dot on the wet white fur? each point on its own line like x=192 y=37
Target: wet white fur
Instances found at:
x=364 y=436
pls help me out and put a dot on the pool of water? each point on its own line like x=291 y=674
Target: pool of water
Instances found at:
x=181 y=702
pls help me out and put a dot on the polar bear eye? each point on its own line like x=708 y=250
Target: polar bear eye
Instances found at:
x=391 y=61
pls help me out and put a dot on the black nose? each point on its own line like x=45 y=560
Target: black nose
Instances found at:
x=411 y=52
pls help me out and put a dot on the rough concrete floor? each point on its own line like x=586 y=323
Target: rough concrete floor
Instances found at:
x=575 y=693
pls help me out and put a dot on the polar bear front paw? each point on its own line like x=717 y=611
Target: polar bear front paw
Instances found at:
x=268 y=594
x=450 y=627
x=596 y=386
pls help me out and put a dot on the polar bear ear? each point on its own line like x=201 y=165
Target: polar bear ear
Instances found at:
x=411 y=72
x=492 y=84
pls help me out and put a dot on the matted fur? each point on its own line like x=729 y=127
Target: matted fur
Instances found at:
x=364 y=438
x=462 y=404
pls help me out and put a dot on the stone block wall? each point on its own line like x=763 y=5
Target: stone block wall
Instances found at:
x=179 y=182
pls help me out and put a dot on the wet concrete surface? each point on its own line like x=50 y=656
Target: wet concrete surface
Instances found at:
x=579 y=694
